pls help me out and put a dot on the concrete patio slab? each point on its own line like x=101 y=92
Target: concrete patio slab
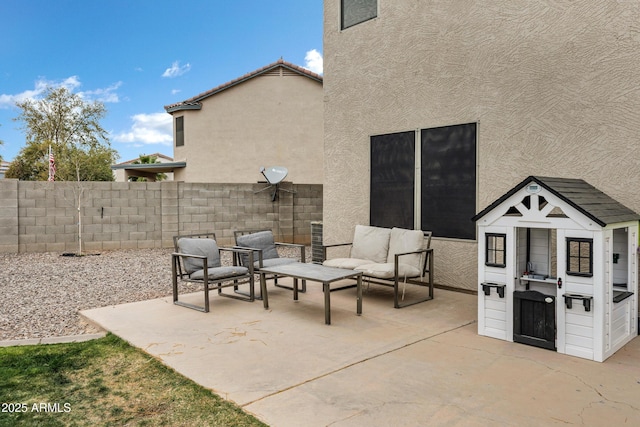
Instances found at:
x=420 y=365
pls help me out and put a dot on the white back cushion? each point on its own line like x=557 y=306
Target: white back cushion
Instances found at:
x=370 y=243
x=403 y=240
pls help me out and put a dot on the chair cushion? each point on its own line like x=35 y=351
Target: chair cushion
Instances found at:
x=266 y=263
x=201 y=247
x=403 y=240
x=261 y=240
x=348 y=263
x=386 y=270
x=370 y=243
x=220 y=273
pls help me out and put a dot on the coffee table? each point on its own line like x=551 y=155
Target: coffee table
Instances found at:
x=312 y=273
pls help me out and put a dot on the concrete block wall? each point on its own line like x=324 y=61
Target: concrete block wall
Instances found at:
x=43 y=216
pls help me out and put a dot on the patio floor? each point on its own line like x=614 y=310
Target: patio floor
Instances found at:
x=423 y=365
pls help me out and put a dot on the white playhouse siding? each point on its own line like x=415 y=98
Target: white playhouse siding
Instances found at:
x=495 y=311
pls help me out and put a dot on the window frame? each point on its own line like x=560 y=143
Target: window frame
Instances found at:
x=179 y=132
x=493 y=249
x=579 y=257
x=342 y=10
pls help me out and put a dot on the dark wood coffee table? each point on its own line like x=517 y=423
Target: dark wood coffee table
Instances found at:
x=312 y=273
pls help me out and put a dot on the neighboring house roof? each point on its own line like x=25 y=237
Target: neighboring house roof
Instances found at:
x=581 y=195
x=194 y=102
x=159 y=157
x=166 y=164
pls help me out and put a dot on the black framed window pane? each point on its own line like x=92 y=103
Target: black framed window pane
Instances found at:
x=496 y=250
x=357 y=11
x=448 y=200
x=392 y=180
x=580 y=257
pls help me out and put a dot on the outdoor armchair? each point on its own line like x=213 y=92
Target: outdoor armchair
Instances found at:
x=197 y=260
x=265 y=249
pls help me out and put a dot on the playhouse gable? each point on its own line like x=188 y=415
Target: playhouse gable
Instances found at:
x=562 y=201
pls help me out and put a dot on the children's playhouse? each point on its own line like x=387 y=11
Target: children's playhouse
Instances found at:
x=557 y=268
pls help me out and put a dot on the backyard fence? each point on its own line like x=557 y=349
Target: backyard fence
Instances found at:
x=38 y=216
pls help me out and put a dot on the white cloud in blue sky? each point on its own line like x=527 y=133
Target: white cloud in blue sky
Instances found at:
x=176 y=70
x=105 y=95
x=154 y=128
x=313 y=61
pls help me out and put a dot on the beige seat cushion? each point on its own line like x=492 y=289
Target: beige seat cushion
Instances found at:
x=348 y=263
x=371 y=243
x=386 y=270
x=402 y=241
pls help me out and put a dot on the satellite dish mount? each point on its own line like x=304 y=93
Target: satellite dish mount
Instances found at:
x=274 y=176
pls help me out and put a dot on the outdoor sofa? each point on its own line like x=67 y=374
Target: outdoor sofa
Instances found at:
x=389 y=256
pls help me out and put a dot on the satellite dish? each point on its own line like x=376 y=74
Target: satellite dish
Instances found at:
x=274 y=176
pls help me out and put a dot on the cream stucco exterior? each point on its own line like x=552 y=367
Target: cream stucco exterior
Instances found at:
x=272 y=117
x=553 y=86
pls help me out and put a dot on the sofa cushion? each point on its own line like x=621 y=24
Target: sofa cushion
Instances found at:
x=201 y=247
x=348 y=263
x=402 y=241
x=262 y=240
x=370 y=243
x=218 y=273
x=386 y=270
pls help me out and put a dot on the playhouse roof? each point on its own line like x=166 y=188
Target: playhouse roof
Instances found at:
x=578 y=193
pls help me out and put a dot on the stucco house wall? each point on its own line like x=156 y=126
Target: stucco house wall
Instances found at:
x=270 y=117
x=552 y=86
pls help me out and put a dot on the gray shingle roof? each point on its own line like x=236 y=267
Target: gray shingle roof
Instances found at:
x=578 y=193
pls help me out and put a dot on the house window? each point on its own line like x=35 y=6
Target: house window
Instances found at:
x=580 y=257
x=179 y=131
x=437 y=192
x=357 y=11
x=496 y=250
x=448 y=180
x=393 y=180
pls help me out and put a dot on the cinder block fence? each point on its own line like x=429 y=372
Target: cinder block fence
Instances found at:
x=43 y=216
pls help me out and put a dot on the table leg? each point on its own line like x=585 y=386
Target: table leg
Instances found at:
x=359 y=303
x=327 y=303
x=295 y=289
x=263 y=291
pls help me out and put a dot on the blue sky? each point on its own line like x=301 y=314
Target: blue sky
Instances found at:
x=136 y=56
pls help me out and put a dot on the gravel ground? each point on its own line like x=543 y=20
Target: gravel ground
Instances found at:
x=41 y=293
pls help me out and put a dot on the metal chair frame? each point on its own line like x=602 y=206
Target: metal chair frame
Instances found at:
x=179 y=275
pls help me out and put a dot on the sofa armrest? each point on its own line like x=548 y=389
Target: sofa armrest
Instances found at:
x=325 y=247
x=421 y=251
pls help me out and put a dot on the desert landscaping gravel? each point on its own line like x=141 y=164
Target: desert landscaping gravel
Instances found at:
x=42 y=293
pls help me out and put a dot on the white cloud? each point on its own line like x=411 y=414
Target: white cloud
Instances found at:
x=175 y=91
x=154 y=128
x=176 y=70
x=107 y=94
x=313 y=61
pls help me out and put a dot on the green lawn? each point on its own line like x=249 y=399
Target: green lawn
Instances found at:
x=104 y=382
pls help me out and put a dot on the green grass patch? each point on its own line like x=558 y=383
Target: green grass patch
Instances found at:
x=104 y=382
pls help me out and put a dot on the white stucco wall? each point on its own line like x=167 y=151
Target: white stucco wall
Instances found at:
x=553 y=86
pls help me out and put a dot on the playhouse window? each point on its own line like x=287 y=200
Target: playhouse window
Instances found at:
x=580 y=257
x=496 y=250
